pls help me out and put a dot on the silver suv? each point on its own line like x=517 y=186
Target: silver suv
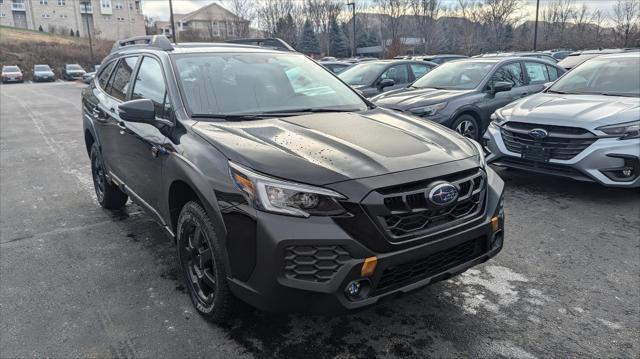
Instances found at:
x=585 y=126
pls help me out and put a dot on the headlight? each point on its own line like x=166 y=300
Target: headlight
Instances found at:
x=626 y=131
x=480 y=152
x=428 y=110
x=278 y=196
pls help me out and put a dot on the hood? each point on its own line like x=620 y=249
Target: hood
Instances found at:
x=332 y=147
x=574 y=110
x=406 y=98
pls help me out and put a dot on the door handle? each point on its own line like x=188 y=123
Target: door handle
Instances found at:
x=122 y=126
x=524 y=94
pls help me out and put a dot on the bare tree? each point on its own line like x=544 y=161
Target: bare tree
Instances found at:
x=273 y=10
x=626 y=16
x=498 y=16
x=425 y=15
x=598 y=19
x=322 y=13
x=471 y=14
x=393 y=11
x=245 y=10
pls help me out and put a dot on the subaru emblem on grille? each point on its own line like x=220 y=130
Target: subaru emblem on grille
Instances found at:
x=443 y=194
x=538 y=133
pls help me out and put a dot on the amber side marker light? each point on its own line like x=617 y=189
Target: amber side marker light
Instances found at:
x=369 y=266
x=495 y=224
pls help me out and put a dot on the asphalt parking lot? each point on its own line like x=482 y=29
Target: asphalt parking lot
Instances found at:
x=79 y=281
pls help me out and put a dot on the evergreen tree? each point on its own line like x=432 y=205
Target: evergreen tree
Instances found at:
x=309 y=43
x=338 y=45
x=286 y=29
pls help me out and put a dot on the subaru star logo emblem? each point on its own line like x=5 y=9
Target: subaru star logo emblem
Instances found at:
x=538 y=133
x=443 y=194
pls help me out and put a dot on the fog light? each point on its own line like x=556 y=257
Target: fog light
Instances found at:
x=627 y=171
x=358 y=289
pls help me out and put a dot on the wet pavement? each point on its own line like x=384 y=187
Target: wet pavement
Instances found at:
x=78 y=281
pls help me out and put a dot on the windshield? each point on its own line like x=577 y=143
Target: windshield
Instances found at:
x=10 y=69
x=74 y=67
x=575 y=60
x=362 y=74
x=456 y=75
x=255 y=83
x=42 y=68
x=609 y=76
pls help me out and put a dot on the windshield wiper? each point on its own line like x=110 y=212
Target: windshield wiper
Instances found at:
x=229 y=117
x=305 y=110
x=561 y=92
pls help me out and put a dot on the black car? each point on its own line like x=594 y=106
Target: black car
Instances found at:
x=439 y=59
x=281 y=185
x=576 y=58
x=43 y=73
x=537 y=55
x=374 y=77
x=72 y=72
x=463 y=94
x=336 y=66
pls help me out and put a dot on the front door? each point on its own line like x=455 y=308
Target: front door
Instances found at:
x=511 y=72
x=143 y=143
x=398 y=73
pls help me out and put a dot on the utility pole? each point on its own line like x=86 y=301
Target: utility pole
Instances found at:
x=353 y=19
x=87 y=4
x=535 y=27
x=173 y=23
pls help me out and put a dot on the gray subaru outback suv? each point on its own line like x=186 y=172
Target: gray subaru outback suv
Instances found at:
x=585 y=126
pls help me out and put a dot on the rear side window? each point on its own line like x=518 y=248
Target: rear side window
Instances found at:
x=509 y=73
x=104 y=74
x=537 y=72
x=150 y=85
x=420 y=70
x=121 y=79
x=553 y=73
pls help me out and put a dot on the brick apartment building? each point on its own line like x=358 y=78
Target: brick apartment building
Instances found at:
x=107 y=19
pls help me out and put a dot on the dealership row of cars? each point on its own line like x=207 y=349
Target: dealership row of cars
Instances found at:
x=44 y=73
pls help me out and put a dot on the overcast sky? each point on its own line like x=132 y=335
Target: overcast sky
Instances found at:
x=159 y=9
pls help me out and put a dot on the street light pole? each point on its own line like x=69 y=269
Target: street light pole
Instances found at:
x=173 y=23
x=535 y=27
x=86 y=17
x=353 y=18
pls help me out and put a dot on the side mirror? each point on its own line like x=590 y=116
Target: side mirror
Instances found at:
x=501 y=86
x=142 y=110
x=386 y=83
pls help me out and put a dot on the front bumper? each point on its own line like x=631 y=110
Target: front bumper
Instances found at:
x=601 y=162
x=305 y=265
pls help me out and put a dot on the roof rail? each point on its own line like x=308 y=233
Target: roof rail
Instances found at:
x=158 y=41
x=273 y=42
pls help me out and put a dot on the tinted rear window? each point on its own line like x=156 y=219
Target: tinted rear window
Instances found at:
x=121 y=79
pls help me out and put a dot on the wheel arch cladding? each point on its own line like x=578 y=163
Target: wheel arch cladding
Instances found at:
x=89 y=140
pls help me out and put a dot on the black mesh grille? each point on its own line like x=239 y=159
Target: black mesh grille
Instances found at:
x=314 y=263
x=410 y=272
x=407 y=213
x=562 y=143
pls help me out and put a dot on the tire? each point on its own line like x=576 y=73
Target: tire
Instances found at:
x=201 y=261
x=108 y=194
x=467 y=126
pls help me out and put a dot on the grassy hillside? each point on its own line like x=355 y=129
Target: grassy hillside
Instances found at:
x=26 y=48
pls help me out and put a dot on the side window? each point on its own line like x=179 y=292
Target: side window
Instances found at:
x=150 y=85
x=121 y=79
x=104 y=75
x=509 y=73
x=553 y=73
x=419 y=70
x=398 y=73
x=537 y=72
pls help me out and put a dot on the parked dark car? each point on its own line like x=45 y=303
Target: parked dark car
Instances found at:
x=72 y=72
x=559 y=54
x=463 y=94
x=586 y=126
x=287 y=197
x=335 y=66
x=576 y=58
x=11 y=74
x=374 y=77
x=537 y=55
x=43 y=73
x=439 y=59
